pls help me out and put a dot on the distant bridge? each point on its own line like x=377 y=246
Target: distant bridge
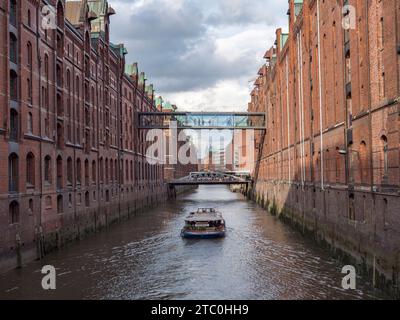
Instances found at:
x=209 y=178
x=203 y=120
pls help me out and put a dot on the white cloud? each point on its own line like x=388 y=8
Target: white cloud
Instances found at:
x=200 y=54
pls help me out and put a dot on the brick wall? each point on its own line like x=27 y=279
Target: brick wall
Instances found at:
x=75 y=106
x=331 y=103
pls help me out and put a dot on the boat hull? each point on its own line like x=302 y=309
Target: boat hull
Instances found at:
x=202 y=235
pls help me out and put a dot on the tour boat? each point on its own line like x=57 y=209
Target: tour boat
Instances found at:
x=206 y=223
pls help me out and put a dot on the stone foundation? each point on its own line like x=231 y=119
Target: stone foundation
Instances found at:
x=370 y=241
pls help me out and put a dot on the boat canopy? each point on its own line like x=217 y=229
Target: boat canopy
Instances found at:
x=204 y=218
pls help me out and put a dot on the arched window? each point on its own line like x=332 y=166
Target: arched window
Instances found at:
x=385 y=164
x=30 y=170
x=29 y=54
x=352 y=213
x=13 y=172
x=60 y=204
x=107 y=172
x=87 y=172
x=29 y=90
x=60 y=181
x=14 y=212
x=13 y=48
x=47 y=169
x=14 y=125
x=127 y=170
x=78 y=171
x=116 y=170
x=60 y=136
x=13 y=12
x=101 y=167
x=13 y=85
x=46 y=67
x=385 y=212
x=69 y=171
x=60 y=15
x=112 y=171
x=363 y=164
x=29 y=18
x=59 y=76
x=87 y=199
x=94 y=171
x=87 y=42
x=30 y=206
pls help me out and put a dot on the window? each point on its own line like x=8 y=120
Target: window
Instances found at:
x=29 y=19
x=13 y=85
x=385 y=212
x=94 y=171
x=351 y=162
x=107 y=172
x=60 y=204
x=111 y=171
x=60 y=136
x=363 y=168
x=14 y=212
x=14 y=127
x=48 y=202
x=29 y=90
x=13 y=172
x=30 y=123
x=69 y=171
x=87 y=199
x=87 y=172
x=60 y=105
x=47 y=169
x=30 y=169
x=13 y=12
x=30 y=206
x=13 y=48
x=352 y=215
x=385 y=166
x=78 y=171
x=59 y=76
x=127 y=170
x=60 y=15
x=29 y=54
x=101 y=170
x=59 y=173
x=46 y=67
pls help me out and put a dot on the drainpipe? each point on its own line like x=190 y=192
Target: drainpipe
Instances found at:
x=288 y=115
x=300 y=61
x=299 y=99
x=320 y=97
x=302 y=104
x=369 y=98
x=39 y=61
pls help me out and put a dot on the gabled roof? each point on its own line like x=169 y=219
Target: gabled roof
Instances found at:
x=76 y=12
x=102 y=9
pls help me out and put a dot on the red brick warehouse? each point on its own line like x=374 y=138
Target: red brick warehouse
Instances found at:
x=72 y=159
x=330 y=161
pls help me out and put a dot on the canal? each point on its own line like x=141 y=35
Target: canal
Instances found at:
x=145 y=258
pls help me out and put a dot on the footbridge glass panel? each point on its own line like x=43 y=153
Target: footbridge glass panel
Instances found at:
x=190 y=120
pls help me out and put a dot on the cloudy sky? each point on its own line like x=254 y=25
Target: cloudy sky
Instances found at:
x=200 y=54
